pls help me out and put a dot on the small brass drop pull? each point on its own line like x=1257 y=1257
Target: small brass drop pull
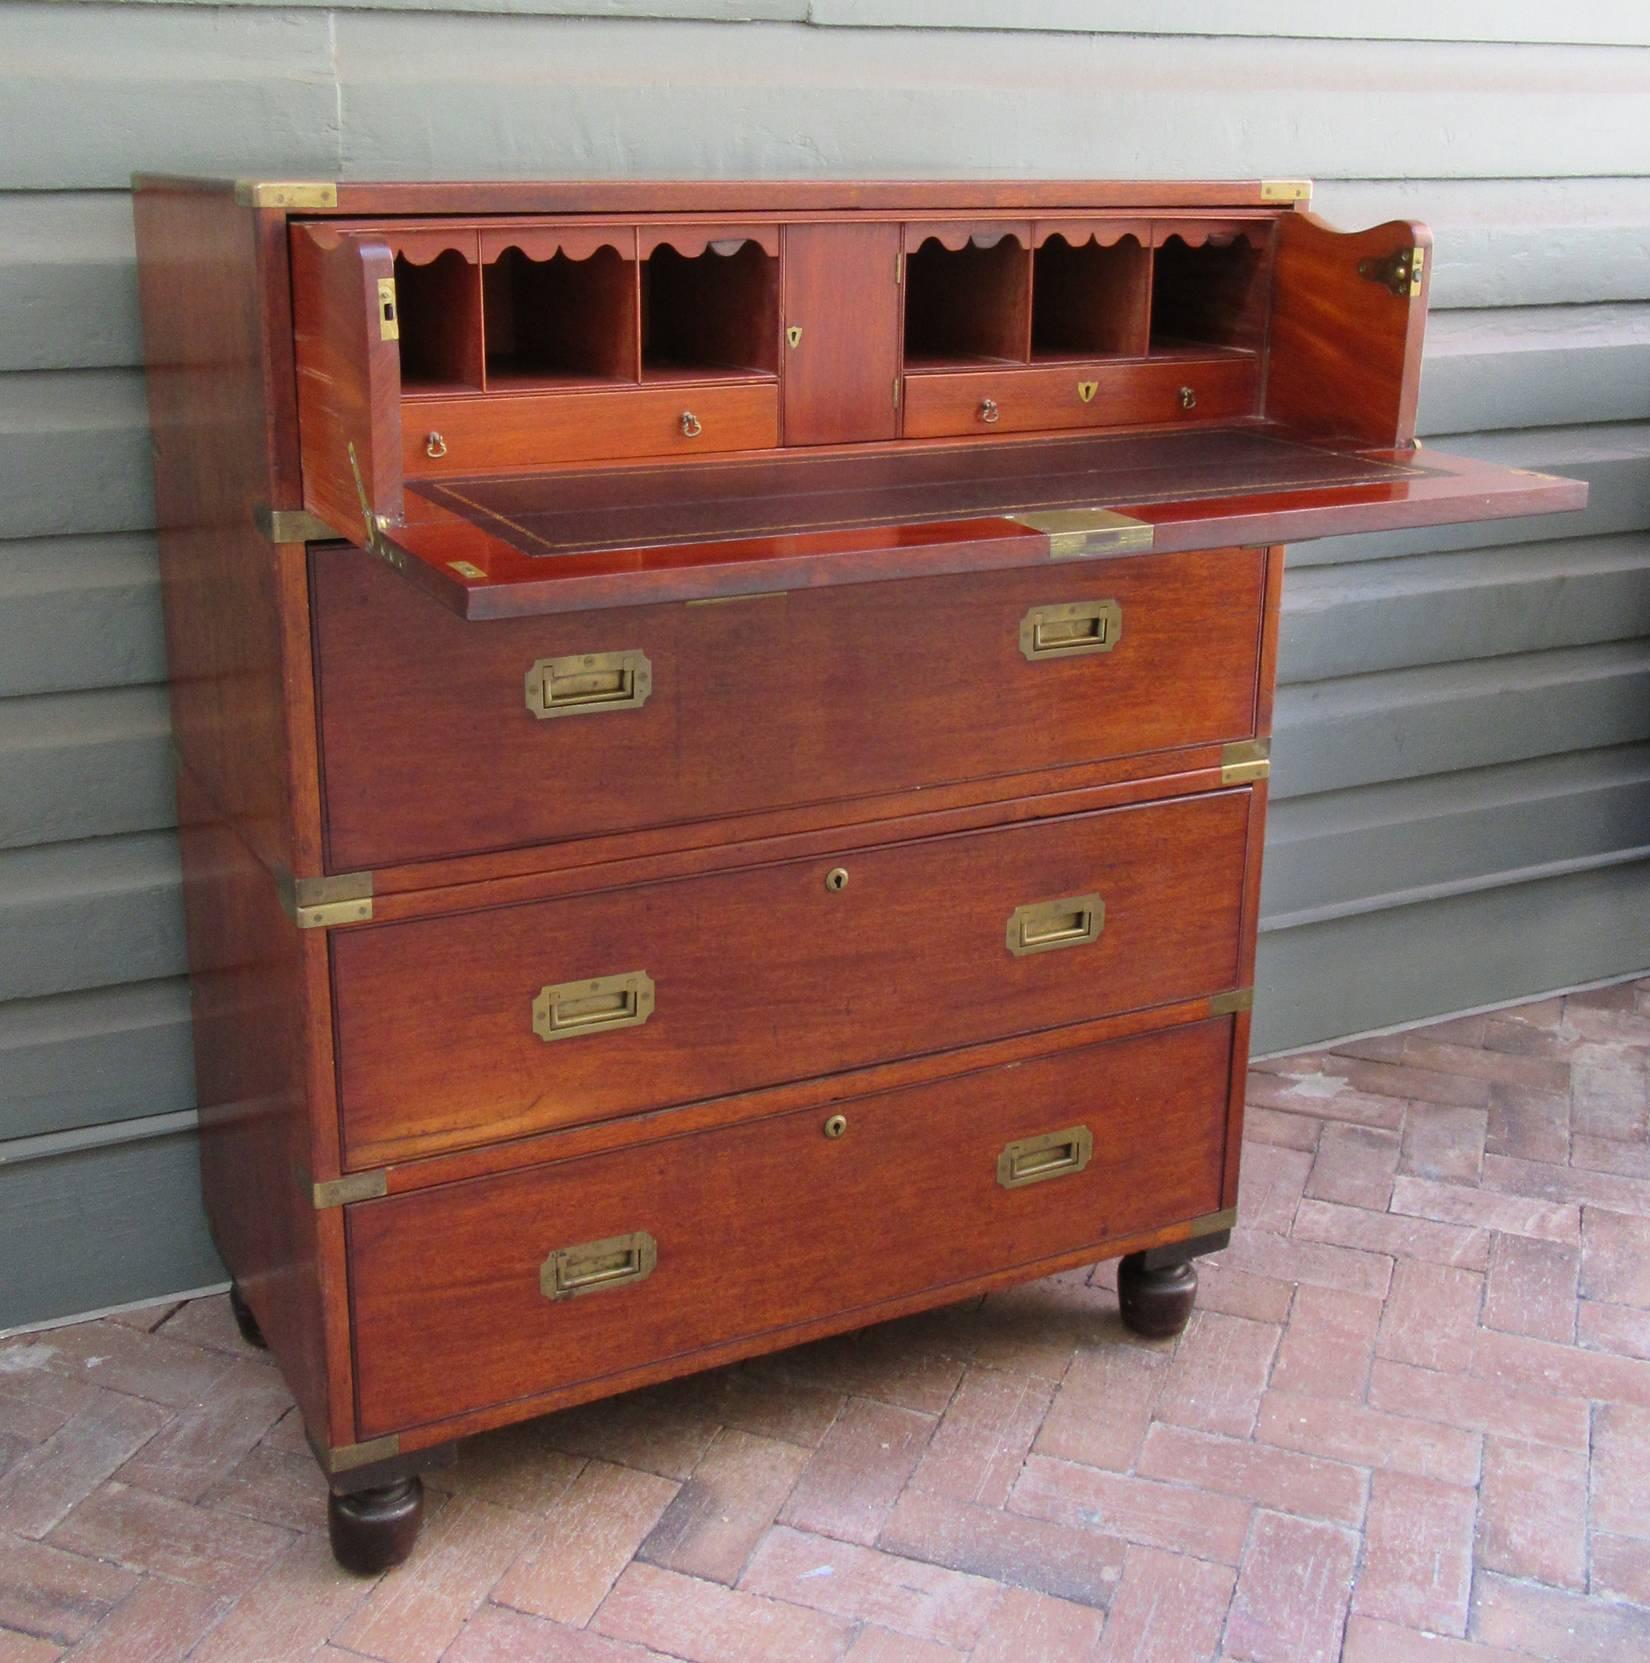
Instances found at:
x=1188 y=398
x=435 y=445
x=691 y=428
x=988 y=410
x=835 y=1126
x=836 y=880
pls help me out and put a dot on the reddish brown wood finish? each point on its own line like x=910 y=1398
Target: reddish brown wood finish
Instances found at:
x=866 y=707
x=982 y=403
x=349 y=378
x=538 y=428
x=842 y=294
x=906 y=1200
x=254 y=1030
x=767 y=974
x=616 y=538
x=1090 y=289
x=1345 y=351
x=876 y=688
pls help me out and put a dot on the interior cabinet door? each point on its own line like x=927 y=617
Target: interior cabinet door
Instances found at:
x=842 y=315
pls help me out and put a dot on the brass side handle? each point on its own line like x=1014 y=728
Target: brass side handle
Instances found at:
x=1044 y=926
x=586 y=684
x=1053 y=1155
x=1067 y=631
x=595 y=1266
x=569 y=1010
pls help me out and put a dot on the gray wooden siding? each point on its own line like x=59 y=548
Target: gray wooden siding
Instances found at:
x=1462 y=805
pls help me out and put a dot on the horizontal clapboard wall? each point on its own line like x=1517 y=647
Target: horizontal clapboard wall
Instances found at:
x=1462 y=783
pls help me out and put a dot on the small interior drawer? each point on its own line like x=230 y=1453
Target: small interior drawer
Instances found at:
x=1016 y=399
x=463 y=1029
x=526 y=430
x=543 y=1278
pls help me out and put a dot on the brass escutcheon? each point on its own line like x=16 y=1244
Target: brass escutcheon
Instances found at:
x=835 y=1126
x=836 y=880
x=1086 y=390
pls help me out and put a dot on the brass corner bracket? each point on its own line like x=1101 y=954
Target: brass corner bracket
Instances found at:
x=1247 y=760
x=316 y=903
x=293 y=194
x=346 y=1456
x=1230 y=1003
x=1081 y=533
x=353 y=1186
x=291 y=525
x=1286 y=190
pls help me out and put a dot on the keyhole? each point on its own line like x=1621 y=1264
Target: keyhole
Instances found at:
x=836 y=880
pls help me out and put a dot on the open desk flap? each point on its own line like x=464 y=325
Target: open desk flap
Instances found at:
x=506 y=545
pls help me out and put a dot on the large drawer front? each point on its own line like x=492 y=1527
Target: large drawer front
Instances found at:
x=1011 y=399
x=536 y=1280
x=463 y=1029
x=432 y=746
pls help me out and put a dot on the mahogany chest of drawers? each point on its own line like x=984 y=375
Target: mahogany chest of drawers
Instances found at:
x=722 y=743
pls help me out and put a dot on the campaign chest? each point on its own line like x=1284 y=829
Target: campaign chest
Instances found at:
x=722 y=744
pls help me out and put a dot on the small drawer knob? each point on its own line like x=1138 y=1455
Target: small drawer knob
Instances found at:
x=691 y=427
x=988 y=410
x=1188 y=398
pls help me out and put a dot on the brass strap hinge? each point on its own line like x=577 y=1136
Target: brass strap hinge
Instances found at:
x=346 y=1456
x=1286 y=190
x=1230 y=1003
x=1400 y=271
x=317 y=903
x=353 y=1186
x=291 y=525
x=1247 y=760
x=286 y=193
x=1082 y=533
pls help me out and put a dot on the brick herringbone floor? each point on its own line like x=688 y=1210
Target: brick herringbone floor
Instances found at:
x=1414 y=1402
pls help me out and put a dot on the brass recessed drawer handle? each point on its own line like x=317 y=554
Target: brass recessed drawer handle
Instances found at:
x=594 y=1266
x=1043 y=926
x=1066 y=631
x=586 y=684
x=568 y=1010
x=1053 y=1155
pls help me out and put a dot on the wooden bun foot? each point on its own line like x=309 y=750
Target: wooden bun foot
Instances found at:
x=372 y=1530
x=1155 y=1303
x=244 y=1319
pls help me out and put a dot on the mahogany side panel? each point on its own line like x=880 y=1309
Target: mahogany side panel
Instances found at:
x=1345 y=349
x=908 y=1197
x=349 y=376
x=255 y=1023
x=842 y=297
x=236 y=607
x=430 y=749
x=776 y=972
